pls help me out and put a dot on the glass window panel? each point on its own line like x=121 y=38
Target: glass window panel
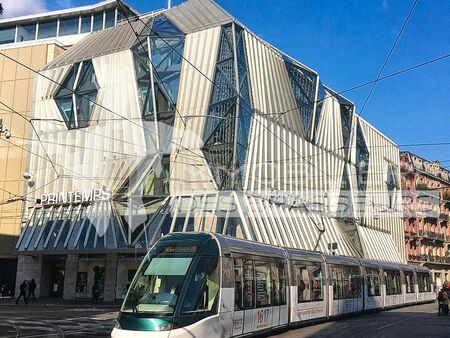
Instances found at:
x=163 y=27
x=303 y=283
x=85 y=104
x=98 y=21
x=47 y=29
x=249 y=297
x=68 y=26
x=264 y=292
x=204 y=287
x=373 y=282
x=7 y=34
x=91 y=272
x=110 y=18
x=26 y=32
x=86 y=23
x=238 y=285
x=65 y=107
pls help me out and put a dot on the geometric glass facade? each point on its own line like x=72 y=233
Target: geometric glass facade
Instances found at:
x=158 y=71
x=362 y=161
x=303 y=84
x=321 y=95
x=229 y=116
x=76 y=96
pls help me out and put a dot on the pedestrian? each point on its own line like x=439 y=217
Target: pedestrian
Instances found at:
x=23 y=292
x=440 y=299
x=445 y=302
x=31 y=289
x=95 y=292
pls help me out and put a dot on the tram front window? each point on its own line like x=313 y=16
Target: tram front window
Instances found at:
x=158 y=283
x=204 y=286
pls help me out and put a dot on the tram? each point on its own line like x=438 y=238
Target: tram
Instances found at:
x=208 y=285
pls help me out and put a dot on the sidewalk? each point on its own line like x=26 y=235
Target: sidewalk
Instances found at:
x=51 y=302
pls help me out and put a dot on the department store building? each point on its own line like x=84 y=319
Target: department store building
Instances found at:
x=185 y=120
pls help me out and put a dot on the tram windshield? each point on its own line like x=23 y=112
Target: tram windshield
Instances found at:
x=158 y=284
x=159 y=280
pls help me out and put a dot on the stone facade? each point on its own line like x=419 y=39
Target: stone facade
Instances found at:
x=426 y=210
x=29 y=267
x=70 y=276
x=109 y=293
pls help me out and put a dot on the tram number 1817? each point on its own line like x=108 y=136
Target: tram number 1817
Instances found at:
x=262 y=318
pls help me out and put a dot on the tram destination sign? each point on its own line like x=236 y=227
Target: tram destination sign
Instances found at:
x=74 y=197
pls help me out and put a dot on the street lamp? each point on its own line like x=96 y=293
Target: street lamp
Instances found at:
x=30 y=178
x=4 y=130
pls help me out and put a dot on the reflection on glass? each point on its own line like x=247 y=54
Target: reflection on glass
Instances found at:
x=26 y=32
x=86 y=23
x=7 y=34
x=110 y=18
x=159 y=280
x=47 y=29
x=68 y=26
x=98 y=21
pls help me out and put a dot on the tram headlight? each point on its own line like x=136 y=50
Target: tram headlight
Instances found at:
x=163 y=327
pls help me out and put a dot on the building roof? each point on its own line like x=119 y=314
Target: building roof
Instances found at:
x=111 y=40
x=190 y=16
x=195 y=15
x=431 y=168
x=64 y=12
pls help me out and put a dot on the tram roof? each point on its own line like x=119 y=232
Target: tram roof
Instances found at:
x=389 y=266
x=406 y=267
x=420 y=268
x=369 y=263
x=300 y=254
x=232 y=244
x=343 y=260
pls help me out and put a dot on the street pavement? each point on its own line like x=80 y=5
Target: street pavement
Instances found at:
x=74 y=320
x=60 y=319
x=408 y=322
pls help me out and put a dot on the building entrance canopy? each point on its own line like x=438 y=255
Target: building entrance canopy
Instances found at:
x=96 y=226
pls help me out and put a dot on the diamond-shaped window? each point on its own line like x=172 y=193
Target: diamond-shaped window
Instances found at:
x=76 y=96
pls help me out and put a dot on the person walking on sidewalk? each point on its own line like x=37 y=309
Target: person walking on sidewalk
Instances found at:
x=445 y=301
x=31 y=289
x=23 y=292
x=95 y=292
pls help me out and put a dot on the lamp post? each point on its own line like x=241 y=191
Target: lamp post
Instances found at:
x=4 y=130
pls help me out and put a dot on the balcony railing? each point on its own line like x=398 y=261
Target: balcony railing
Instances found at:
x=432 y=235
x=429 y=258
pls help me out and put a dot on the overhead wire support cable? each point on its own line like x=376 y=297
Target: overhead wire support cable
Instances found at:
x=388 y=57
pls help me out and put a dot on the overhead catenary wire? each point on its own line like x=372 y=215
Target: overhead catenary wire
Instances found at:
x=388 y=56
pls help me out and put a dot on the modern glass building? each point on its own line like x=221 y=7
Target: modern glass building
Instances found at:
x=27 y=44
x=184 y=120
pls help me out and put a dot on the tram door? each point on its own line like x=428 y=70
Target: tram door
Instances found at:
x=243 y=293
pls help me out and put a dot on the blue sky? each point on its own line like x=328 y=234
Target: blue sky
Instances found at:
x=346 y=43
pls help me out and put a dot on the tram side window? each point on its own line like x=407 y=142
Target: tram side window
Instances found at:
x=309 y=282
x=393 y=286
x=303 y=284
x=423 y=280
x=248 y=284
x=373 y=282
x=278 y=284
x=409 y=281
x=204 y=287
x=264 y=292
x=238 y=285
x=346 y=282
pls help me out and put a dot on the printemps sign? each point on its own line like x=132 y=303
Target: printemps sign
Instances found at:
x=74 y=197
